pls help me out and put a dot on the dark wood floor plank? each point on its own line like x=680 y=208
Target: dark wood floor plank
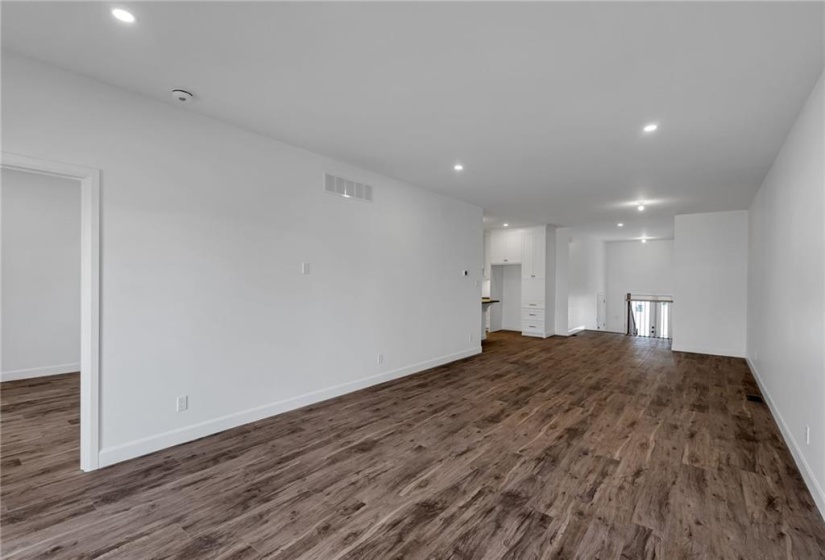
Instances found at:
x=593 y=446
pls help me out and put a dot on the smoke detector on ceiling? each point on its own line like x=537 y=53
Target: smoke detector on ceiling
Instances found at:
x=182 y=95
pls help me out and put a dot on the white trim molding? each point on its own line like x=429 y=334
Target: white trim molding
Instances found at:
x=89 y=293
x=802 y=464
x=144 y=446
x=44 y=371
x=691 y=349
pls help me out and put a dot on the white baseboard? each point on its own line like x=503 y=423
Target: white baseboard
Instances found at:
x=537 y=335
x=796 y=451
x=570 y=332
x=45 y=371
x=130 y=450
x=728 y=352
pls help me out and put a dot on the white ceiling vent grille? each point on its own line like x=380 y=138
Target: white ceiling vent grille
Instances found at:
x=346 y=188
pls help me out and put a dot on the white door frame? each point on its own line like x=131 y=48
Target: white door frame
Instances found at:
x=89 y=297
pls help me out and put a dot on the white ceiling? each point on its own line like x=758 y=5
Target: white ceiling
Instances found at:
x=543 y=103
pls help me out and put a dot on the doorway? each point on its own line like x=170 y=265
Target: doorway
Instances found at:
x=601 y=311
x=40 y=275
x=505 y=286
x=23 y=344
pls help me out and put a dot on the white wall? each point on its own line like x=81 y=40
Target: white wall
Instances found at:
x=638 y=268
x=495 y=312
x=551 y=277
x=562 y=284
x=786 y=312
x=204 y=228
x=711 y=283
x=40 y=275
x=586 y=279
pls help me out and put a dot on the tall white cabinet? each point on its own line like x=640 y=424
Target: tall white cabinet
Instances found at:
x=534 y=249
x=533 y=253
x=537 y=286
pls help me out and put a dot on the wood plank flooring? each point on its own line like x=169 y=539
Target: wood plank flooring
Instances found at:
x=597 y=446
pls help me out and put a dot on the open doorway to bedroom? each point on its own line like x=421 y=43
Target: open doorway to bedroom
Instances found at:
x=49 y=310
x=40 y=275
x=40 y=314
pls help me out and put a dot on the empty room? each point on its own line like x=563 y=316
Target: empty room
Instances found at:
x=412 y=280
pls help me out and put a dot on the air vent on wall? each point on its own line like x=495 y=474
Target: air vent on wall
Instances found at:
x=346 y=188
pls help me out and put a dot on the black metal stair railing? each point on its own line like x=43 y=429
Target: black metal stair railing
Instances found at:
x=632 y=329
x=654 y=314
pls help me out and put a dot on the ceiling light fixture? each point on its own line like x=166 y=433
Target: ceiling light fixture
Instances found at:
x=123 y=15
x=652 y=127
x=641 y=207
x=506 y=225
x=458 y=167
x=620 y=224
x=644 y=240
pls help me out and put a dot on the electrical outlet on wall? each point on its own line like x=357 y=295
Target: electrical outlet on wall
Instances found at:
x=305 y=268
x=380 y=359
x=182 y=403
x=807 y=435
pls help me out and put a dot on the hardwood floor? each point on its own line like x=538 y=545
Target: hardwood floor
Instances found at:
x=597 y=446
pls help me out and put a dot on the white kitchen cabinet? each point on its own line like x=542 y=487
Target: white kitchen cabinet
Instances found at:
x=532 y=292
x=498 y=247
x=529 y=315
x=533 y=248
x=513 y=251
x=535 y=290
x=534 y=243
x=527 y=254
x=505 y=246
x=533 y=328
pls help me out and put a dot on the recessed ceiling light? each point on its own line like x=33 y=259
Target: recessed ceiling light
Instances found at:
x=651 y=127
x=640 y=208
x=123 y=15
x=506 y=225
x=458 y=167
x=644 y=240
x=620 y=224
